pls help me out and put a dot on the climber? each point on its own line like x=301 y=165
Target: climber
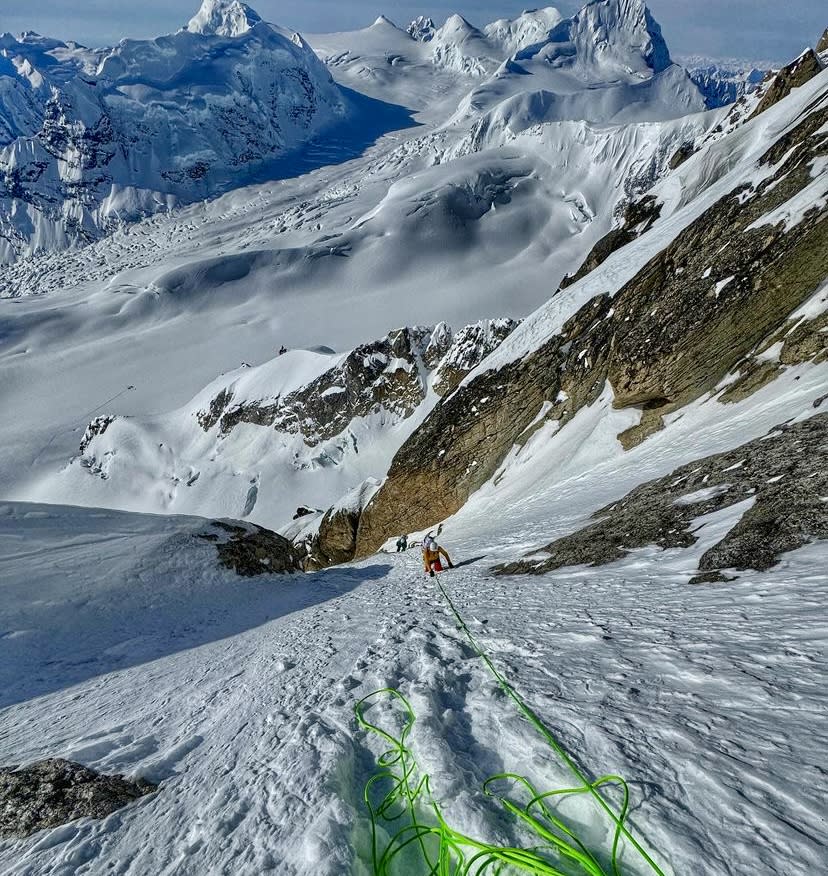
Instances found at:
x=431 y=555
x=402 y=543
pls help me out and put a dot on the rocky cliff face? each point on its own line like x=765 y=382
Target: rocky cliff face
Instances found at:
x=391 y=374
x=794 y=75
x=638 y=217
x=703 y=307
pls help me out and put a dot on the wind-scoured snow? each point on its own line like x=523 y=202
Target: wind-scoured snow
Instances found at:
x=707 y=699
x=142 y=372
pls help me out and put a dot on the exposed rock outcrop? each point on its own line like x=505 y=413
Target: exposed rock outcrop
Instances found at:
x=797 y=73
x=253 y=550
x=468 y=348
x=725 y=283
x=335 y=540
x=673 y=332
x=389 y=374
x=422 y=29
x=95 y=428
x=53 y=792
x=321 y=422
x=785 y=473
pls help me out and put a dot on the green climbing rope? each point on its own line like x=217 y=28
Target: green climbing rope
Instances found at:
x=399 y=791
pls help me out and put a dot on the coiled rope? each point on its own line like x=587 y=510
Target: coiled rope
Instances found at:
x=400 y=790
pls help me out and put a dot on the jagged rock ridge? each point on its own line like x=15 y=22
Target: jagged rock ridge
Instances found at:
x=320 y=422
x=793 y=75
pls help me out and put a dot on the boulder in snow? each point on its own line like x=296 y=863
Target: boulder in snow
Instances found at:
x=55 y=791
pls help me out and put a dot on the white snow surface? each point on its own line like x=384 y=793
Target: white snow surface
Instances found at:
x=717 y=169
x=170 y=462
x=123 y=644
x=454 y=219
x=124 y=648
x=93 y=139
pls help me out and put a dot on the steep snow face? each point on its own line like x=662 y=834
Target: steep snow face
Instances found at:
x=530 y=27
x=93 y=139
x=227 y=18
x=608 y=63
x=615 y=36
x=720 y=166
x=440 y=222
x=299 y=430
x=461 y=47
x=126 y=648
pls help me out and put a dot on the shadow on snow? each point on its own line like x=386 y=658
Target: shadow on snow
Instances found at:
x=367 y=121
x=85 y=592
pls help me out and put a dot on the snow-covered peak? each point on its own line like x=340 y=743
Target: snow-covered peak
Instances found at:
x=528 y=28
x=383 y=21
x=129 y=130
x=456 y=25
x=460 y=46
x=422 y=29
x=613 y=33
x=226 y=18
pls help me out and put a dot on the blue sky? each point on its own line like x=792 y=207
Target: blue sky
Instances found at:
x=755 y=29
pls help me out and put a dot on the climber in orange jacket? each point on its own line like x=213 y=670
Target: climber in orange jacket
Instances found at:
x=431 y=555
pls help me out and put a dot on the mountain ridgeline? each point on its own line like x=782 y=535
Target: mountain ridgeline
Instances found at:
x=93 y=138
x=724 y=306
x=674 y=229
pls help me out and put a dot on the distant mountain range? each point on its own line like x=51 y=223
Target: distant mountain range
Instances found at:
x=91 y=139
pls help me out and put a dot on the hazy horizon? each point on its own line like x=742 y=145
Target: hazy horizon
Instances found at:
x=750 y=30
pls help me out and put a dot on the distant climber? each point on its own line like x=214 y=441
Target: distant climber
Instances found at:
x=402 y=544
x=431 y=555
x=282 y=350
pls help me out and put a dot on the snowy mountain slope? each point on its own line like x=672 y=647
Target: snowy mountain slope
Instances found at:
x=531 y=27
x=93 y=139
x=677 y=688
x=300 y=430
x=98 y=138
x=425 y=66
x=496 y=228
x=452 y=223
x=607 y=63
x=89 y=564
x=128 y=645
x=737 y=249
